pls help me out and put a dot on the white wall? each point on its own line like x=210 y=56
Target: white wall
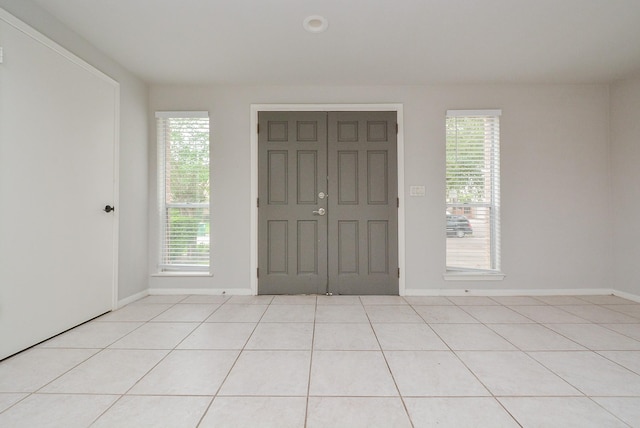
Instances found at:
x=555 y=179
x=625 y=168
x=133 y=191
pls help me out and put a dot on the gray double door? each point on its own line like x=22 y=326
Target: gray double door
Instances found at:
x=328 y=207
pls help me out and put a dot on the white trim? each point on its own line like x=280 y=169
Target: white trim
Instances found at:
x=131 y=299
x=255 y=108
x=628 y=296
x=181 y=114
x=473 y=276
x=487 y=112
x=183 y=273
x=199 y=291
x=511 y=292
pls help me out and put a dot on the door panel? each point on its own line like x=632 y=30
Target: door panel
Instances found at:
x=292 y=249
x=57 y=146
x=353 y=248
x=363 y=219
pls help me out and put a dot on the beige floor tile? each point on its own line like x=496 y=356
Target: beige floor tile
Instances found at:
x=444 y=315
x=345 y=337
x=92 y=335
x=218 y=336
x=548 y=314
x=625 y=408
x=238 y=313
x=289 y=313
x=514 y=373
x=339 y=300
x=600 y=314
x=596 y=338
x=8 y=399
x=56 y=410
x=341 y=314
x=274 y=373
x=495 y=314
x=187 y=373
x=350 y=373
x=566 y=412
x=428 y=301
x=591 y=373
x=392 y=314
x=281 y=336
x=432 y=374
x=535 y=337
x=354 y=412
x=383 y=300
x=193 y=312
x=473 y=301
x=628 y=359
x=408 y=337
x=471 y=337
x=459 y=412
x=112 y=371
x=135 y=312
x=264 y=412
x=34 y=368
x=155 y=336
x=154 y=412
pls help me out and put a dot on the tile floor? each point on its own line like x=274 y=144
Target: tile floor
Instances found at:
x=340 y=361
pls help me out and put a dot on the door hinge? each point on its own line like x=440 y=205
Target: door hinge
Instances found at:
x=258 y=128
x=398 y=272
x=397 y=202
x=258 y=202
x=396 y=129
x=257 y=272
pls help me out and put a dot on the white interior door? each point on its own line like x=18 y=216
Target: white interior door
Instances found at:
x=58 y=141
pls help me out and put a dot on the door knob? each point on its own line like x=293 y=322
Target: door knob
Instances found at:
x=320 y=211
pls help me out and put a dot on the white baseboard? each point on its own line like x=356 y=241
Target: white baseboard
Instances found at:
x=200 y=291
x=510 y=292
x=132 y=298
x=628 y=296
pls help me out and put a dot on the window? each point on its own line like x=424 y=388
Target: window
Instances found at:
x=183 y=190
x=473 y=191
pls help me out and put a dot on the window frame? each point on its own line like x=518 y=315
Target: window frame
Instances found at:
x=164 y=268
x=492 y=204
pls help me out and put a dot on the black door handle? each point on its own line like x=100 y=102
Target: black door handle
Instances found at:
x=109 y=208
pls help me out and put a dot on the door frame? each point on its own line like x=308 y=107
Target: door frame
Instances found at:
x=255 y=108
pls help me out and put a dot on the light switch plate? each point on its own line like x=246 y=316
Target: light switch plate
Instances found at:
x=416 y=191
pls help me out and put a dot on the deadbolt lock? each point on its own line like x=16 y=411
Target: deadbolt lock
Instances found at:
x=322 y=195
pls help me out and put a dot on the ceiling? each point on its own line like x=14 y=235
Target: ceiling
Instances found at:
x=368 y=42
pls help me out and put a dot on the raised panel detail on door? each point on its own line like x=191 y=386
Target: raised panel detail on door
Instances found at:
x=378 y=246
x=278 y=244
x=377 y=178
x=278 y=180
x=347 y=177
x=308 y=247
x=307 y=180
x=363 y=219
x=345 y=242
x=348 y=247
x=292 y=168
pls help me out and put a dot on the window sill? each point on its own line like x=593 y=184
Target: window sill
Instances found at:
x=473 y=276
x=184 y=274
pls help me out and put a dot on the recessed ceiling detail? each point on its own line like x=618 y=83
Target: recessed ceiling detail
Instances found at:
x=315 y=24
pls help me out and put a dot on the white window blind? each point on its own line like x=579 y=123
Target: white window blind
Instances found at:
x=183 y=186
x=473 y=190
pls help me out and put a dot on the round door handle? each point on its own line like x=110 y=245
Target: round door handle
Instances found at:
x=320 y=211
x=108 y=209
